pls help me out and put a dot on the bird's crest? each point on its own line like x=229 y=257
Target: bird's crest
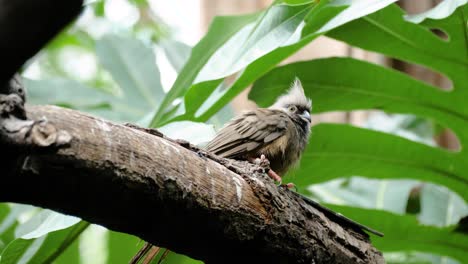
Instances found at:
x=295 y=96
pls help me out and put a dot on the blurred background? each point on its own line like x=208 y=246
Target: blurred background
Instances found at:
x=91 y=53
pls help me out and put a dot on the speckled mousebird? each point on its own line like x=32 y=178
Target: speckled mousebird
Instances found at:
x=278 y=133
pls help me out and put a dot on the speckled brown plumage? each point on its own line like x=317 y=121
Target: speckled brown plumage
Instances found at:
x=279 y=132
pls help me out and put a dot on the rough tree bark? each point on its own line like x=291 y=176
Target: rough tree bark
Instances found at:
x=172 y=195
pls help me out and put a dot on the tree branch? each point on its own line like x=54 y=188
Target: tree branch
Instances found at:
x=26 y=26
x=169 y=194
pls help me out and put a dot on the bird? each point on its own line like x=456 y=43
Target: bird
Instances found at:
x=278 y=134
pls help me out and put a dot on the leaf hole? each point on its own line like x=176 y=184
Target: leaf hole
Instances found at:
x=440 y=34
x=422 y=74
x=448 y=140
x=413 y=205
x=414 y=128
x=415 y=7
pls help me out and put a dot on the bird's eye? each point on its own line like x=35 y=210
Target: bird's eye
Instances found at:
x=292 y=108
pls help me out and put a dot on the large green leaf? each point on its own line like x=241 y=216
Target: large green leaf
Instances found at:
x=6 y=227
x=202 y=100
x=220 y=31
x=404 y=233
x=44 y=222
x=43 y=238
x=43 y=249
x=71 y=255
x=396 y=37
x=9 y=215
x=122 y=247
x=348 y=84
x=279 y=26
x=342 y=150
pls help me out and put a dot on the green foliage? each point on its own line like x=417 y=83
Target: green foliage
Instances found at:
x=280 y=31
x=404 y=233
x=132 y=66
x=415 y=216
x=221 y=29
x=42 y=238
x=347 y=84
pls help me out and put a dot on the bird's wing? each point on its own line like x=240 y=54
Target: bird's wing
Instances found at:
x=248 y=132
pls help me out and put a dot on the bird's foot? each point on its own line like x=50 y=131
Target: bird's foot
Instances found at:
x=274 y=175
x=265 y=164
x=262 y=162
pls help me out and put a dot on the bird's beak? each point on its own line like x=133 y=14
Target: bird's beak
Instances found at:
x=306 y=116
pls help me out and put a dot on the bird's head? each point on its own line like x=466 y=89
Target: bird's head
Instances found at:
x=295 y=103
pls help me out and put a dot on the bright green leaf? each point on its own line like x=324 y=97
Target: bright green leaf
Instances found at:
x=43 y=249
x=404 y=233
x=396 y=37
x=324 y=13
x=122 y=247
x=44 y=222
x=342 y=150
x=349 y=84
x=220 y=31
x=279 y=26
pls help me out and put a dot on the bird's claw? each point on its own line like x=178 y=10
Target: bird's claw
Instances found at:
x=274 y=176
x=262 y=162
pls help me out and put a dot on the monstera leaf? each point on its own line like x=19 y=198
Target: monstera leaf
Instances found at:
x=343 y=84
x=349 y=84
